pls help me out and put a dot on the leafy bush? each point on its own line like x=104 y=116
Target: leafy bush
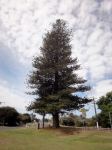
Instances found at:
x=24 y=118
x=67 y=121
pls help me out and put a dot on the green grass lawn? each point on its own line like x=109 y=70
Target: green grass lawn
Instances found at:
x=49 y=139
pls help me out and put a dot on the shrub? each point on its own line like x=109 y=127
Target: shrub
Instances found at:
x=67 y=121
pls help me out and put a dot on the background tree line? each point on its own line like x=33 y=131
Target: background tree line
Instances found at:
x=10 y=117
x=105 y=105
x=104 y=118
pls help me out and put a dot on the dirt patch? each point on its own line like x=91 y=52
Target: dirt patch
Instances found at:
x=4 y=141
x=64 y=131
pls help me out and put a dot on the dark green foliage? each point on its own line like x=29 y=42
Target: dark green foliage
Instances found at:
x=79 y=121
x=67 y=121
x=103 y=119
x=24 y=118
x=8 y=116
x=105 y=105
x=105 y=102
x=91 y=122
x=54 y=80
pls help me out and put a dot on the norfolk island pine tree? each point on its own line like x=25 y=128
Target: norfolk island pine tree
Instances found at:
x=54 y=80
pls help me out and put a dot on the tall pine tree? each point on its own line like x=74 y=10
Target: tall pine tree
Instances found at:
x=54 y=80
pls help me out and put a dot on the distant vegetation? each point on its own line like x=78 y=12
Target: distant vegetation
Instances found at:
x=10 y=117
x=77 y=121
x=105 y=105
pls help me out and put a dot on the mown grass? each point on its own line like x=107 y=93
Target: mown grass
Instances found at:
x=48 y=139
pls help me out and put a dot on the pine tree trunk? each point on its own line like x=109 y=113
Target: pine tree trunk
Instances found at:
x=55 y=120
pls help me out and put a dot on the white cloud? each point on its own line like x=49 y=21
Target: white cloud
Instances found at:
x=102 y=88
x=11 y=97
x=106 y=5
x=97 y=33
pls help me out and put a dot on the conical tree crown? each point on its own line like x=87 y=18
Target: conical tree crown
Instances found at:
x=54 y=79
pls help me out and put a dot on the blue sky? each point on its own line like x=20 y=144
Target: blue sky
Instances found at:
x=24 y=22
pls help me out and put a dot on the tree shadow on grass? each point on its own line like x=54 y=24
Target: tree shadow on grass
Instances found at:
x=65 y=130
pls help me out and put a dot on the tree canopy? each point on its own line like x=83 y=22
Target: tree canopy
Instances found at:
x=105 y=105
x=54 y=80
x=8 y=116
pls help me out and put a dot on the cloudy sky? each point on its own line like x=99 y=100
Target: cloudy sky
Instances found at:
x=24 y=22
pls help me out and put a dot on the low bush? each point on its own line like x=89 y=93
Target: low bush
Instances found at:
x=67 y=121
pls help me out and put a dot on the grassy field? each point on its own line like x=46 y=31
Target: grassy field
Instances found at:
x=49 y=139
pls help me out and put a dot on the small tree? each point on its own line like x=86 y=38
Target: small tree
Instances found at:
x=54 y=80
